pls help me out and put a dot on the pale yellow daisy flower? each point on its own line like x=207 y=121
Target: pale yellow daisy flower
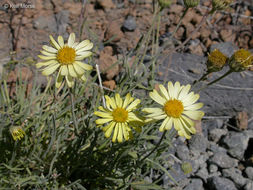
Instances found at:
x=120 y=116
x=66 y=59
x=17 y=132
x=178 y=109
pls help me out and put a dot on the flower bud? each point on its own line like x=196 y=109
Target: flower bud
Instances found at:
x=191 y=3
x=221 y=4
x=17 y=132
x=164 y=3
x=186 y=167
x=240 y=60
x=216 y=61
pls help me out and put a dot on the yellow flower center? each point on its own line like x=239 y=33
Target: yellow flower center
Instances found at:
x=243 y=57
x=216 y=59
x=66 y=55
x=120 y=115
x=173 y=108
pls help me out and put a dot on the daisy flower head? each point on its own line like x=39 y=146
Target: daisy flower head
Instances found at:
x=178 y=109
x=120 y=116
x=66 y=58
x=17 y=132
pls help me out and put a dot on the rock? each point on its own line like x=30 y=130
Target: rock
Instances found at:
x=223 y=160
x=249 y=172
x=235 y=175
x=213 y=168
x=176 y=172
x=220 y=183
x=195 y=184
x=227 y=48
x=216 y=134
x=222 y=98
x=108 y=65
x=242 y=120
x=182 y=152
x=110 y=84
x=106 y=4
x=237 y=144
x=113 y=32
x=202 y=173
x=249 y=186
x=62 y=19
x=47 y=22
x=215 y=148
x=198 y=142
x=129 y=24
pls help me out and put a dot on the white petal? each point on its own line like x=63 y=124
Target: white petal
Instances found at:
x=64 y=70
x=69 y=80
x=156 y=97
x=177 y=89
x=71 y=39
x=72 y=72
x=195 y=115
x=164 y=92
x=50 y=69
x=171 y=90
x=78 y=69
x=54 y=43
x=59 y=79
x=115 y=133
x=194 y=106
x=49 y=49
x=84 y=65
x=128 y=100
x=61 y=41
x=109 y=129
x=47 y=53
x=88 y=47
x=83 y=56
x=184 y=92
x=162 y=127
x=82 y=44
x=191 y=99
x=47 y=57
x=118 y=100
x=133 y=105
x=41 y=64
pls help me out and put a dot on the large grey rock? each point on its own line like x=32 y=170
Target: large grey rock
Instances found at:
x=212 y=146
x=198 y=142
x=237 y=143
x=182 y=152
x=235 y=175
x=249 y=185
x=227 y=48
x=249 y=172
x=222 y=160
x=195 y=184
x=129 y=24
x=220 y=183
x=45 y=23
x=62 y=19
x=227 y=97
x=202 y=173
x=216 y=134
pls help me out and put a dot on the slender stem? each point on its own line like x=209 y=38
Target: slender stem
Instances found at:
x=158 y=31
x=71 y=93
x=194 y=31
x=202 y=78
x=180 y=21
x=218 y=79
x=158 y=144
x=226 y=74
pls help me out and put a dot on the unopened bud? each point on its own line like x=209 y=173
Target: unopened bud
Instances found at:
x=164 y=3
x=17 y=132
x=186 y=167
x=220 y=4
x=191 y=3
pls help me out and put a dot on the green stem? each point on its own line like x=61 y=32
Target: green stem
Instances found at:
x=180 y=21
x=218 y=79
x=202 y=78
x=158 y=144
x=71 y=93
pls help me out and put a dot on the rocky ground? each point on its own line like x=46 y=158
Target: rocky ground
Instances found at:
x=221 y=153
